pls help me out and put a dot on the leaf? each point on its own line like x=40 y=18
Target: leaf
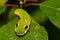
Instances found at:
x=2 y=5
x=2 y=2
x=2 y=9
x=36 y=32
x=52 y=11
x=38 y=15
x=11 y=15
x=7 y=32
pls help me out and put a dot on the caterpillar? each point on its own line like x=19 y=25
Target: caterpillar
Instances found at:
x=23 y=25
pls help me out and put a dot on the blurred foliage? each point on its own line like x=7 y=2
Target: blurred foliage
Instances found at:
x=52 y=10
x=2 y=9
x=3 y=2
x=2 y=5
x=36 y=13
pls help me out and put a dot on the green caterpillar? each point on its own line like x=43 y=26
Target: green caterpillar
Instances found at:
x=22 y=26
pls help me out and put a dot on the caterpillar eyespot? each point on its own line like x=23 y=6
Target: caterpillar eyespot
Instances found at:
x=26 y=27
x=17 y=24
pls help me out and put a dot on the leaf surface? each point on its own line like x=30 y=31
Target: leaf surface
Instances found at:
x=52 y=11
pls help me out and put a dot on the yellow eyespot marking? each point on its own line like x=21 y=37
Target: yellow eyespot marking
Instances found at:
x=37 y=27
x=17 y=25
x=26 y=28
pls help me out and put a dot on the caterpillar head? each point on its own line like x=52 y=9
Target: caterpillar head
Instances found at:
x=21 y=28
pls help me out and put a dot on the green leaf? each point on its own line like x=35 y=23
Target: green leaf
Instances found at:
x=38 y=15
x=52 y=11
x=36 y=32
x=2 y=9
x=2 y=5
x=11 y=15
x=2 y=2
